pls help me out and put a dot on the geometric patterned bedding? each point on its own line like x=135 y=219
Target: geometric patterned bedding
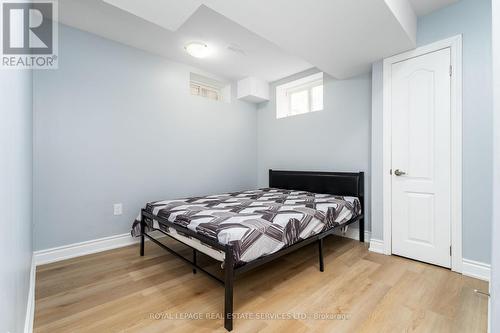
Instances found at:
x=256 y=222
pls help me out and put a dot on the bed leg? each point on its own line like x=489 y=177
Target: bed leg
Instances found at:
x=143 y=227
x=320 y=248
x=362 y=230
x=194 y=260
x=228 y=286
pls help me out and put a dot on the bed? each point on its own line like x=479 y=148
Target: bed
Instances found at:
x=246 y=229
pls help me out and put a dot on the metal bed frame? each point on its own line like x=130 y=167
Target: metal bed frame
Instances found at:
x=338 y=183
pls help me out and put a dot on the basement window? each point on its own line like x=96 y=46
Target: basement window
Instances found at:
x=300 y=96
x=209 y=88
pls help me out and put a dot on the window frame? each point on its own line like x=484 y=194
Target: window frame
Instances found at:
x=300 y=88
x=213 y=87
x=204 y=86
x=285 y=91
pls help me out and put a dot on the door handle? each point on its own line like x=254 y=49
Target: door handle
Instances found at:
x=399 y=173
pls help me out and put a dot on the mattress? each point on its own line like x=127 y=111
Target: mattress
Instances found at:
x=256 y=222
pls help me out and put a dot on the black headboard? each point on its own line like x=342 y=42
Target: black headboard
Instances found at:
x=338 y=183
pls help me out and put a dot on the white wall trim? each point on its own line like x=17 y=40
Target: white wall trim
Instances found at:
x=377 y=246
x=69 y=251
x=353 y=233
x=80 y=249
x=476 y=269
x=30 y=306
x=455 y=44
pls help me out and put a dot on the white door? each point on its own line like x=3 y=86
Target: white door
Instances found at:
x=421 y=158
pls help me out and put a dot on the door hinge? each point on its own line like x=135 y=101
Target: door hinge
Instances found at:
x=390 y=172
x=451 y=70
x=450 y=251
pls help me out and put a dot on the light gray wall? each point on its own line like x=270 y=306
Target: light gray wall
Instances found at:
x=495 y=239
x=335 y=139
x=472 y=18
x=117 y=125
x=16 y=156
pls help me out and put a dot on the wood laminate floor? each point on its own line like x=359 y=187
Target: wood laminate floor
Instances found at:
x=360 y=291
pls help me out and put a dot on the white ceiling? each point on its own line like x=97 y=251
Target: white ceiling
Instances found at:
x=424 y=7
x=169 y=14
x=340 y=37
x=260 y=58
x=272 y=38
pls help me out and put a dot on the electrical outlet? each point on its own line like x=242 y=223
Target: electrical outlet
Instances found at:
x=117 y=209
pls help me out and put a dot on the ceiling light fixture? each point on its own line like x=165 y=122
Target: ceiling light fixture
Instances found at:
x=197 y=49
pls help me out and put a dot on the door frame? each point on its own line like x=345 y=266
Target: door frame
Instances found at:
x=455 y=45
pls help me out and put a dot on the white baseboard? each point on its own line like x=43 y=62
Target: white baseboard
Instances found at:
x=377 y=246
x=30 y=307
x=476 y=269
x=80 y=249
x=353 y=233
x=47 y=256
x=470 y=268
